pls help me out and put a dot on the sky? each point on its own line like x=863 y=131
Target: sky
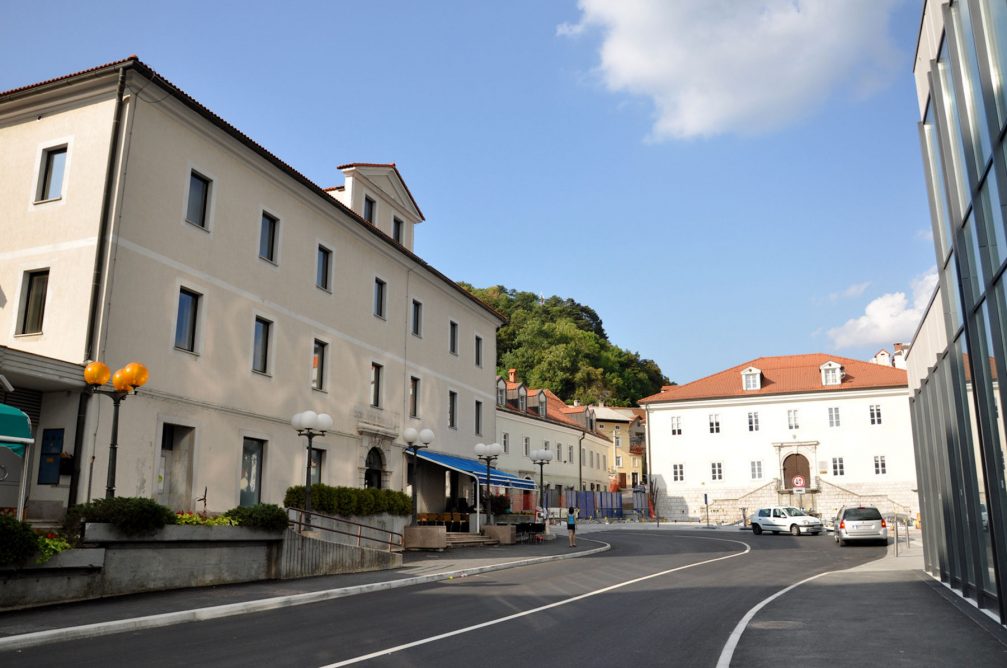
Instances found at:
x=719 y=179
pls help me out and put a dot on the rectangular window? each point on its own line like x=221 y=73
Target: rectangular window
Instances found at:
x=323 y=268
x=318 y=365
x=453 y=337
x=879 y=465
x=831 y=376
x=397 y=226
x=837 y=466
x=453 y=410
x=379 y=298
x=185 y=321
x=506 y=443
x=792 y=419
x=479 y=418
x=317 y=457
x=267 y=237
x=376 y=370
x=618 y=461
x=479 y=351
x=716 y=471
x=370 y=207
x=714 y=423
x=36 y=286
x=751 y=381
x=199 y=197
x=753 y=421
x=50 y=181
x=414 y=397
x=260 y=347
x=417 y=318
x=676 y=426
x=834 y=416
x=876 y=414
x=618 y=441
x=757 y=470
x=569 y=453
x=677 y=472
x=252 y=451
x=527 y=446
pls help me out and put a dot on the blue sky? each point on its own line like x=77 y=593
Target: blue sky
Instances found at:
x=719 y=179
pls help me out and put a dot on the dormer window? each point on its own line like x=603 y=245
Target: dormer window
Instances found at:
x=541 y=403
x=832 y=373
x=501 y=392
x=590 y=421
x=370 y=206
x=751 y=379
x=522 y=399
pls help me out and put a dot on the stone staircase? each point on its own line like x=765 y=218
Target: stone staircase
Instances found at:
x=461 y=539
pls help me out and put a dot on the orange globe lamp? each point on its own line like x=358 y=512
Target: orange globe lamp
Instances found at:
x=120 y=381
x=96 y=373
x=136 y=374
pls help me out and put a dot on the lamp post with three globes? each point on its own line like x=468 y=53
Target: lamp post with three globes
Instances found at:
x=310 y=424
x=125 y=382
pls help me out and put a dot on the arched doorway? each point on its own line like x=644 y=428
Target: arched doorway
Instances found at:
x=374 y=466
x=796 y=465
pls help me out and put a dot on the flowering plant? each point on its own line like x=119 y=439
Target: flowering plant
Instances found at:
x=49 y=546
x=194 y=519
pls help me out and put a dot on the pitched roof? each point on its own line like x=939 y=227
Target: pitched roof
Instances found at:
x=134 y=64
x=787 y=374
x=391 y=166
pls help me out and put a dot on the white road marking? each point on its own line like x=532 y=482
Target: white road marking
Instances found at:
x=501 y=620
x=732 y=641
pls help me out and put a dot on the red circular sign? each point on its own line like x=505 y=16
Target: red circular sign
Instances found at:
x=798 y=481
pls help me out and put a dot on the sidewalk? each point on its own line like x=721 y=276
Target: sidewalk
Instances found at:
x=37 y=626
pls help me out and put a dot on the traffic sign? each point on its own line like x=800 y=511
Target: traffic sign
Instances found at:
x=798 y=481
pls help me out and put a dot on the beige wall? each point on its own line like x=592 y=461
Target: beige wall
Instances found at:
x=562 y=470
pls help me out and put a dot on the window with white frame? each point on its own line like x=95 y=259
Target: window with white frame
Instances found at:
x=716 y=471
x=756 y=470
x=676 y=425
x=837 y=466
x=879 y=465
x=677 y=472
x=875 y=413
x=753 y=421
x=50 y=178
x=618 y=441
x=501 y=392
x=792 y=422
x=830 y=376
x=618 y=461
x=35 y=286
x=751 y=380
x=833 y=416
x=714 y=423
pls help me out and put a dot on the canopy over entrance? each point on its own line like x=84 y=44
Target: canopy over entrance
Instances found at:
x=15 y=430
x=476 y=469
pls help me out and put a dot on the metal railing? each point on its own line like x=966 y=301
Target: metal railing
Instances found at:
x=303 y=520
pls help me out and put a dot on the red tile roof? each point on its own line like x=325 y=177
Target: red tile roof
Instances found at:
x=135 y=64
x=787 y=374
x=388 y=165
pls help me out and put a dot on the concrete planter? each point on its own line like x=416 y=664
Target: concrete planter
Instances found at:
x=106 y=533
x=426 y=538
x=505 y=534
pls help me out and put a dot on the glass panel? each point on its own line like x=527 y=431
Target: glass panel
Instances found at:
x=267 y=238
x=322 y=270
x=199 y=188
x=968 y=72
x=985 y=399
x=260 y=352
x=954 y=122
x=318 y=366
x=971 y=260
x=953 y=296
x=34 y=308
x=991 y=210
x=55 y=162
x=185 y=323
x=316 y=466
x=933 y=150
x=251 y=471
x=994 y=15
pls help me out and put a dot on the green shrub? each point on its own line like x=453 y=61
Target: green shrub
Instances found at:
x=499 y=504
x=49 y=546
x=194 y=519
x=132 y=516
x=347 y=501
x=266 y=516
x=18 y=543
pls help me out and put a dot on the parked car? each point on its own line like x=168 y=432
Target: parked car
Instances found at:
x=784 y=518
x=854 y=523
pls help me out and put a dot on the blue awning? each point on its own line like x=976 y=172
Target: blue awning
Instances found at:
x=476 y=469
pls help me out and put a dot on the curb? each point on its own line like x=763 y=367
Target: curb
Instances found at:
x=162 y=620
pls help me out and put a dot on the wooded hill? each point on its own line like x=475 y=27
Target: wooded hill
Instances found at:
x=561 y=345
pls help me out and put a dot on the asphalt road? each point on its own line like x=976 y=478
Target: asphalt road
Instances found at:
x=669 y=598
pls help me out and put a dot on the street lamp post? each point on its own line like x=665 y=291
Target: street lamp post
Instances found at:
x=425 y=437
x=540 y=458
x=310 y=424
x=488 y=454
x=125 y=381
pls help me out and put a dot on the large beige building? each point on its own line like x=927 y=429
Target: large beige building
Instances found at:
x=139 y=226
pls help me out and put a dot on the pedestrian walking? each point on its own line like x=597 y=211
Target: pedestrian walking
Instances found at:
x=571 y=526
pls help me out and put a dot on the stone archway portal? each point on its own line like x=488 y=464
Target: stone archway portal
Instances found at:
x=796 y=465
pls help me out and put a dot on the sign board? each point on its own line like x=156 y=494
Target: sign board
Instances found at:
x=799 y=490
x=798 y=481
x=706 y=500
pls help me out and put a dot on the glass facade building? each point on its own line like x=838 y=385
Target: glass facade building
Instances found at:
x=960 y=351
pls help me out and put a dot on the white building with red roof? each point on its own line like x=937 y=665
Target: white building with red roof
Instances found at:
x=760 y=432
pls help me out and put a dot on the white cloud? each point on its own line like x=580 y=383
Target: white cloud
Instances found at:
x=852 y=291
x=925 y=234
x=724 y=66
x=888 y=318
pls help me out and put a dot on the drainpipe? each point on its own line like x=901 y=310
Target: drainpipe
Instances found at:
x=99 y=273
x=580 y=461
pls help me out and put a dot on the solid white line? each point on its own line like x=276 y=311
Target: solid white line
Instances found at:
x=732 y=642
x=501 y=620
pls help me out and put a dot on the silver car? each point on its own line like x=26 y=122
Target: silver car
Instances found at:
x=860 y=523
x=785 y=518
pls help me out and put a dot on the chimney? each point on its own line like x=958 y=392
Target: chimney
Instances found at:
x=898 y=347
x=512 y=375
x=576 y=403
